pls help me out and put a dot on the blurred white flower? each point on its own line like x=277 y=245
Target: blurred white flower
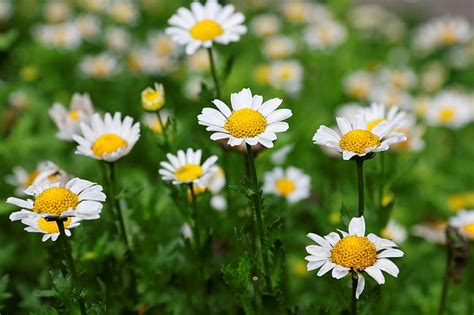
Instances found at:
x=390 y=96
x=101 y=66
x=432 y=231
x=349 y=110
x=450 y=109
x=278 y=156
x=117 y=39
x=325 y=35
x=64 y=35
x=88 y=25
x=56 y=11
x=402 y=78
x=286 y=75
x=395 y=232
x=265 y=25
x=123 y=11
x=358 y=84
x=278 y=47
x=464 y=222
x=6 y=10
x=291 y=183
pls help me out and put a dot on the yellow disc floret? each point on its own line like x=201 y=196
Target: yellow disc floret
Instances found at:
x=188 y=172
x=55 y=201
x=285 y=186
x=469 y=230
x=446 y=114
x=355 y=252
x=358 y=141
x=245 y=123
x=51 y=227
x=74 y=115
x=206 y=30
x=107 y=144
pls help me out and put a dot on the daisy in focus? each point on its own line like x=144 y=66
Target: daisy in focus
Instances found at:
x=46 y=172
x=291 y=183
x=153 y=99
x=68 y=121
x=353 y=252
x=202 y=25
x=449 y=109
x=464 y=222
x=77 y=198
x=250 y=121
x=186 y=168
x=107 y=139
x=49 y=229
x=356 y=139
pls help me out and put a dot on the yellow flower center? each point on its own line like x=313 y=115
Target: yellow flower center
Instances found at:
x=358 y=141
x=206 y=30
x=245 y=123
x=156 y=127
x=355 y=252
x=31 y=178
x=285 y=186
x=446 y=115
x=107 y=144
x=374 y=123
x=151 y=95
x=55 y=201
x=188 y=172
x=449 y=36
x=387 y=233
x=359 y=91
x=74 y=115
x=51 y=227
x=469 y=230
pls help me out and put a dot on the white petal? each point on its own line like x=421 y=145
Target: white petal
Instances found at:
x=318 y=239
x=360 y=285
x=328 y=265
x=387 y=266
x=357 y=226
x=375 y=273
x=391 y=252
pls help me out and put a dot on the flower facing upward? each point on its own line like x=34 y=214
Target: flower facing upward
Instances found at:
x=464 y=222
x=186 y=167
x=202 y=25
x=251 y=120
x=356 y=139
x=50 y=230
x=77 y=198
x=107 y=139
x=153 y=99
x=292 y=183
x=353 y=252
x=68 y=121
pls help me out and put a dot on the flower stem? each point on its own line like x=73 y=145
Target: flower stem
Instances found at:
x=70 y=261
x=214 y=72
x=257 y=203
x=354 y=300
x=195 y=217
x=446 y=282
x=360 y=184
x=164 y=131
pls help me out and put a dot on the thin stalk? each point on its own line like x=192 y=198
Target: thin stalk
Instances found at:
x=446 y=282
x=382 y=179
x=116 y=204
x=257 y=202
x=164 y=131
x=195 y=217
x=70 y=261
x=360 y=184
x=214 y=72
x=354 y=300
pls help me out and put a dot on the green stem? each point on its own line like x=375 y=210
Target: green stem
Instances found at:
x=214 y=72
x=257 y=203
x=116 y=204
x=164 y=131
x=445 y=289
x=70 y=261
x=195 y=217
x=354 y=300
x=360 y=184
x=382 y=180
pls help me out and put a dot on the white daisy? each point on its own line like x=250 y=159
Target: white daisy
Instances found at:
x=403 y=78
x=286 y=75
x=441 y=32
x=107 y=139
x=77 y=198
x=432 y=231
x=464 y=222
x=291 y=183
x=450 y=109
x=353 y=252
x=325 y=35
x=355 y=139
x=186 y=167
x=46 y=172
x=250 y=121
x=278 y=47
x=349 y=110
x=68 y=121
x=358 y=84
x=49 y=228
x=153 y=99
x=265 y=25
x=101 y=66
x=202 y=25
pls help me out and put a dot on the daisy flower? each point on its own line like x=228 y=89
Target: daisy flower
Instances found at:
x=68 y=121
x=46 y=172
x=349 y=110
x=153 y=99
x=101 y=66
x=202 y=25
x=77 y=198
x=265 y=25
x=152 y=121
x=355 y=138
x=107 y=139
x=358 y=84
x=353 y=252
x=464 y=222
x=186 y=168
x=449 y=109
x=432 y=231
x=325 y=35
x=378 y=112
x=286 y=75
x=49 y=229
x=394 y=231
x=250 y=121
x=291 y=183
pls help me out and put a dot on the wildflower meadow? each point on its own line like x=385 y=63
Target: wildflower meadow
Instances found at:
x=235 y=157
